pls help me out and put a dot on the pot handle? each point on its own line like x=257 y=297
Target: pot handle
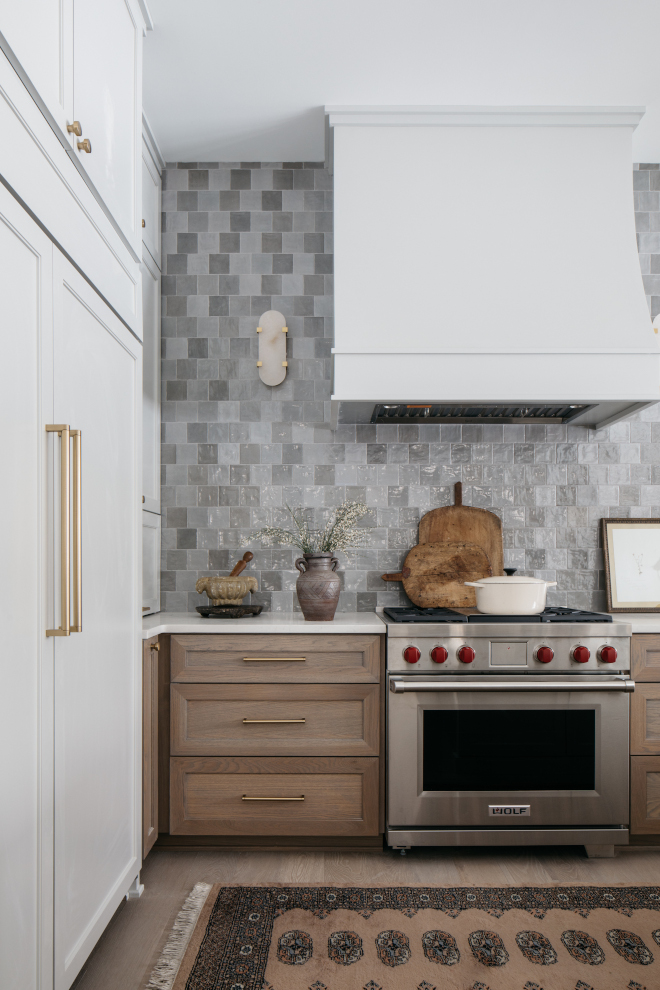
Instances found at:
x=551 y=584
x=335 y=561
x=301 y=561
x=473 y=584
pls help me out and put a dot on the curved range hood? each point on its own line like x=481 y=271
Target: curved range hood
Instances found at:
x=486 y=266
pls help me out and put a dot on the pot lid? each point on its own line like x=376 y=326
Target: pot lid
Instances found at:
x=514 y=579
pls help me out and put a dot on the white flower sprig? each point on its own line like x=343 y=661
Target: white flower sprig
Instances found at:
x=341 y=532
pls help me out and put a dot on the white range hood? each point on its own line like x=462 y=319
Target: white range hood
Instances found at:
x=486 y=265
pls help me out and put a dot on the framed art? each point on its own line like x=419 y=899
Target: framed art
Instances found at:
x=632 y=564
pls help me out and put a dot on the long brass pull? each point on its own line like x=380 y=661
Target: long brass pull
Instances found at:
x=301 y=798
x=65 y=560
x=76 y=625
x=275 y=659
x=263 y=721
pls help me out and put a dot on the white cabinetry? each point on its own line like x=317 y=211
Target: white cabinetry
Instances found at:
x=150 y=562
x=107 y=103
x=71 y=785
x=152 y=165
x=82 y=62
x=71 y=315
x=40 y=33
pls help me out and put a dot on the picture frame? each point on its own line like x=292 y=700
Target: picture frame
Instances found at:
x=631 y=548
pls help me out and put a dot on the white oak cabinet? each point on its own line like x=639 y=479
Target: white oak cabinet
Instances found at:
x=70 y=780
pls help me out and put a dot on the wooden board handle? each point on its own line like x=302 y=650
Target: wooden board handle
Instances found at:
x=242 y=564
x=458 y=493
x=405 y=573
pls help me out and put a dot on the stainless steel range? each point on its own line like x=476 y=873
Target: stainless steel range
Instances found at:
x=507 y=730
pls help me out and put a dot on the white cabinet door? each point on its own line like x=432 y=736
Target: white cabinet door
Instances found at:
x=97 y=389
x=40 y=34
x=150 y=563
x=150 y=204
x=107 y=98
x=151 y=385
x=26 y=658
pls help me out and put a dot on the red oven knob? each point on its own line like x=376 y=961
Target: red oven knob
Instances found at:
x=580 y=654
x=544 y=654
x=411 y=654
x=466 y=654
x=607 y=654
x=439 y=654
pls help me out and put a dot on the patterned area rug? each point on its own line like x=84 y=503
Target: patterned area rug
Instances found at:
x=414 y=938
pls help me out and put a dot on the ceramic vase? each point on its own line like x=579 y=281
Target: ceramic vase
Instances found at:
x=318 y=586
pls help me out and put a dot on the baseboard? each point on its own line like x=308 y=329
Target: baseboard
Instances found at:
x=272 y=843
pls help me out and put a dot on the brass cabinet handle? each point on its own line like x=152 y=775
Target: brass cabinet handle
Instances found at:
x=75 y=128
x=270 y=721
x=156 y=647
x=85 y=145
x=77 y=531
x=65 y=560
x=143 y=224
x=275 y=659
x=301 y=798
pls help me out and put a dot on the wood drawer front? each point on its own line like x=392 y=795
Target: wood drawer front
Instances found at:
x=340 y=796
x=645 y=720
x=339 y=719
x=645 y=657
x=645 y=795
x=264 y=658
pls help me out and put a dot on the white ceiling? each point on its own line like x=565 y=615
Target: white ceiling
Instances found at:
x=246 y=80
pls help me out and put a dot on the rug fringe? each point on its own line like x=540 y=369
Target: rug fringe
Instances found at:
x=164 y=972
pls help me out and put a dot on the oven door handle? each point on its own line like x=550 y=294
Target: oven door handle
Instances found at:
x=400 y=686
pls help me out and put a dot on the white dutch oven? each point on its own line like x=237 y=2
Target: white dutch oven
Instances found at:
x=516 y=595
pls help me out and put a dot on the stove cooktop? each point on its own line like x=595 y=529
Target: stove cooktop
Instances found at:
x=554 y=613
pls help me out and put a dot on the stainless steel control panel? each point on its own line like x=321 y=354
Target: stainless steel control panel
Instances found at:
x=539 y=648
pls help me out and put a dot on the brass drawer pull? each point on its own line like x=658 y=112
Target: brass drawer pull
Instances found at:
x=262 y=721
x=301 y=798
x=276 y=659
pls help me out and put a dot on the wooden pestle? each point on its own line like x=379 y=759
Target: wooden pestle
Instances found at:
x=242 y=564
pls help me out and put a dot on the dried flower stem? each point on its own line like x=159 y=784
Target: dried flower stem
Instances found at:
x=341 y=532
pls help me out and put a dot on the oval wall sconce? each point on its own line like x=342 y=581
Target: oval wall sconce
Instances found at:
x=272 y=363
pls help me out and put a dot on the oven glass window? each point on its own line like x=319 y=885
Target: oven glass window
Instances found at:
x=516 y=750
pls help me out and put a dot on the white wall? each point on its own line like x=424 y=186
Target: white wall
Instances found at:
x=246 y=79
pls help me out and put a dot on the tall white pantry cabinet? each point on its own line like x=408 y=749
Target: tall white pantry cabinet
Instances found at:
x=71 y=492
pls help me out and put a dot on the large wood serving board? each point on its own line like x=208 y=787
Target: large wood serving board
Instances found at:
x=434 y=574
x=462 y=524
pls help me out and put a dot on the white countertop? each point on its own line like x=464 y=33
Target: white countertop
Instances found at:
x=641 y=622
x=267 y=622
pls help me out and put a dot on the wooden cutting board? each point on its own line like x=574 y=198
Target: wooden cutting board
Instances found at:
x=433 y=574
x=462 y=524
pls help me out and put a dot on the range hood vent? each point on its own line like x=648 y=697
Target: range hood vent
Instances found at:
x=438 y=413
x=486 y=266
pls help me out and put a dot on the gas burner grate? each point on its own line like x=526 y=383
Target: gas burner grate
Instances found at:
x=554 y=613
x=438 y=412
x=411 y=613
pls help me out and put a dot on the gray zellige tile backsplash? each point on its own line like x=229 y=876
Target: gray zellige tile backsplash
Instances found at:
x=243 y=237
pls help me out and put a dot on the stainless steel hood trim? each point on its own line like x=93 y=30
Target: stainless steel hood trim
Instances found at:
x=406 y=838
x=593 y=414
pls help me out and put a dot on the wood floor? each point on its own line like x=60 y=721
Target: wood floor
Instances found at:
x=131 y=944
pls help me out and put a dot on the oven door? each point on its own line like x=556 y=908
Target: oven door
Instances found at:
x=497 y=751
